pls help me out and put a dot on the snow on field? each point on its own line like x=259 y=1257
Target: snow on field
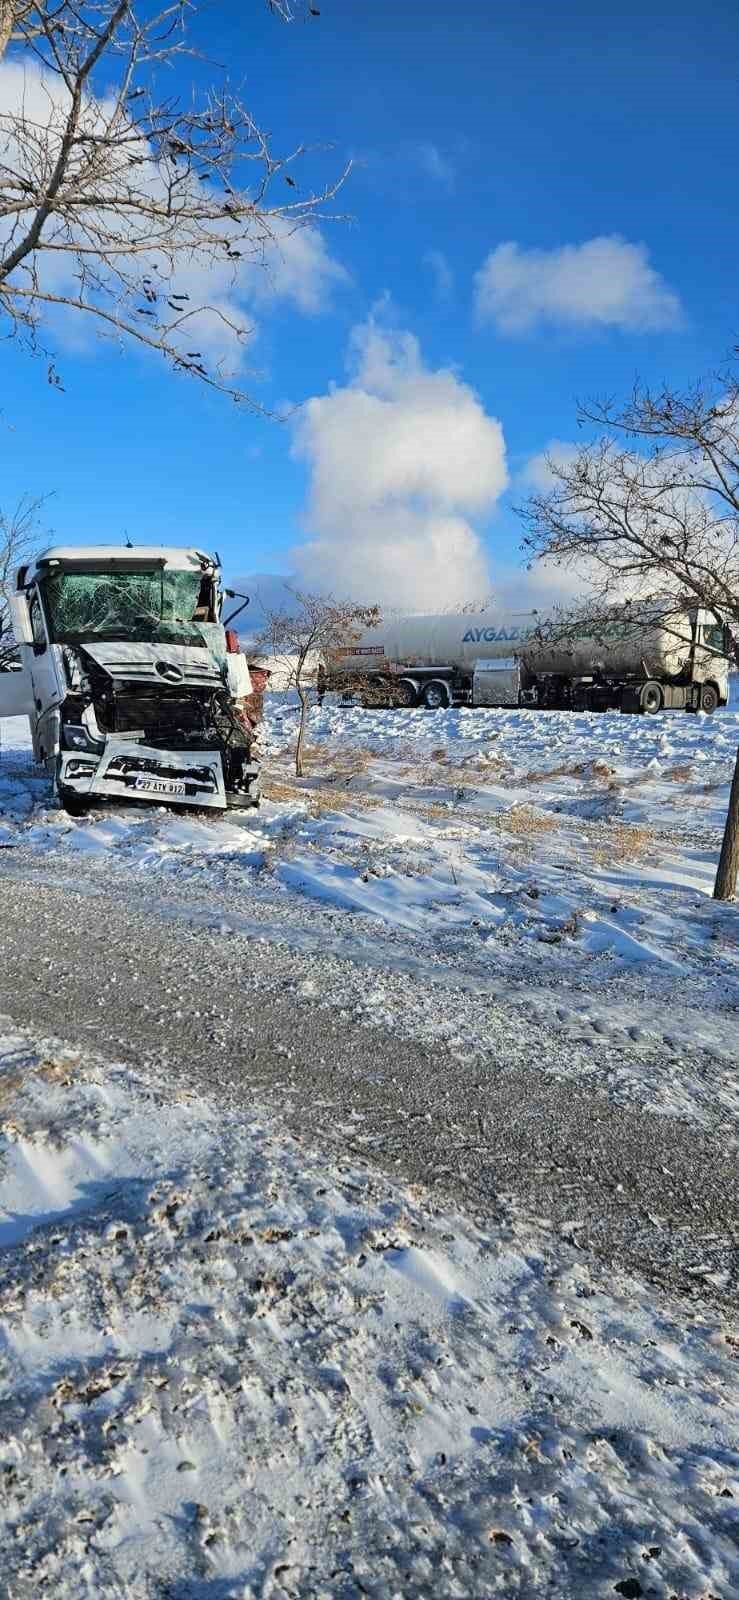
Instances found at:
x=555 y=863
x=599 y=830
x=233 y=1368
x=602 y=829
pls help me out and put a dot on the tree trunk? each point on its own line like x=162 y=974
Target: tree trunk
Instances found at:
x=7 y=9
x=728 y=862
x=304 y=704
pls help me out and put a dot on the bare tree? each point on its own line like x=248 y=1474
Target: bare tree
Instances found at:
x=300 y=639
x=650 y=512
x=121 y=202
x=18 y=537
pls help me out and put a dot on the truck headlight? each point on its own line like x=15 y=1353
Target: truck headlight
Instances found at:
x=76 y=737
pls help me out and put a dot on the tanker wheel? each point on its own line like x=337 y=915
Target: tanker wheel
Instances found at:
x=709 y=698
x=435 y=696
x=650 y=698
x=404 y=694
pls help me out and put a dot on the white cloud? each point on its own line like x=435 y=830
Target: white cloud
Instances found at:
x=603 y=283
x=538 y=475
x=434 y=163
x=544 y=587
x=442 y=273
x=507 y=585
x=299 y=268
x=400 y=459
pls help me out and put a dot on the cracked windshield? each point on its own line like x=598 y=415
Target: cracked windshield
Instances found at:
x=153 y=607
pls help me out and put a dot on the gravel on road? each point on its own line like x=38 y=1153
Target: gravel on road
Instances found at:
x=633 y=1188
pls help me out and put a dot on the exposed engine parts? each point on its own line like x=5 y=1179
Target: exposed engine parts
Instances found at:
x=171 y=719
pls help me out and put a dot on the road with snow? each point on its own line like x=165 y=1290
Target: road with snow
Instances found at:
x=416 y=1175
x=480 y=944
x=217 y=1011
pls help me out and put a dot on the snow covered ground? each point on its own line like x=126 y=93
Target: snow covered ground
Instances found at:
x=442 y=867
x=234 y=1368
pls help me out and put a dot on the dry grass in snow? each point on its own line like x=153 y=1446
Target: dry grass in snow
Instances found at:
x=623 y=842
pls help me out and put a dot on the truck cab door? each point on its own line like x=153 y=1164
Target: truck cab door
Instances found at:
x=711 y=658
x=44 y=667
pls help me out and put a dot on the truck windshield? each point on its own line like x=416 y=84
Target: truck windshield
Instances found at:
x=151 y=607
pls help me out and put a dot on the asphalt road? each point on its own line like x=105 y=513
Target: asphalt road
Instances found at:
x=630 y=1187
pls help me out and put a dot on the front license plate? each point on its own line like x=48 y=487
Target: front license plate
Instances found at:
x=160 y=785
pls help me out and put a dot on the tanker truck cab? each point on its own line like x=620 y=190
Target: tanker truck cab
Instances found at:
x=131 y=687
x=711 y=656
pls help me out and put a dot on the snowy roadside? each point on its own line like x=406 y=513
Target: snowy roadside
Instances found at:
x=234 y=1368
x=459 y=878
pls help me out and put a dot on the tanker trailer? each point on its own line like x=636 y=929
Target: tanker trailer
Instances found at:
x=495 y=658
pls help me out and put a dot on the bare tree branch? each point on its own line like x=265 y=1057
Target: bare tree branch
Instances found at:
x=301 y=638
x=145 y=212
x=18 y=539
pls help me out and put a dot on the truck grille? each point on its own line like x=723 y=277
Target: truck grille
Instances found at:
x=159 y=716
x=146 y=672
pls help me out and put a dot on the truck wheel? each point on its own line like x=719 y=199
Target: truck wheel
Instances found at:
x=404 y=693
x=75 y=805
x=709 y=698
x=435 y=696
x=650 y=698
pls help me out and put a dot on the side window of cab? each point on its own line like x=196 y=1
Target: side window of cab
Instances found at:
x=713 y=637
x=37 y=621
x=205 y=608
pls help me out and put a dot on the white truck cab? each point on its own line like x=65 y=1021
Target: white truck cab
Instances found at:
x=130 y=680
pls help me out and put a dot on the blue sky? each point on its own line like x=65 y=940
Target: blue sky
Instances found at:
x=471 y=126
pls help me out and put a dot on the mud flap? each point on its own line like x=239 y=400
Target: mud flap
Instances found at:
x=630 y=699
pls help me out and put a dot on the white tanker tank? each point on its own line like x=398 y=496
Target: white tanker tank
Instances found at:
x=528 y=659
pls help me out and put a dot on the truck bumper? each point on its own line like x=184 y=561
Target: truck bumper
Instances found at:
x=127 y=771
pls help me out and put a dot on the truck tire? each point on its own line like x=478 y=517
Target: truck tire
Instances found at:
x=435 y=695
x=406 y=693
x=709 y=697
x=651 y=698
x=75 y=805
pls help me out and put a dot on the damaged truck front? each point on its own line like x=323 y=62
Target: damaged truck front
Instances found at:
x=133 y=685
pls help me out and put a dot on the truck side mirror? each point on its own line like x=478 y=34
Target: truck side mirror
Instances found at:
x=39 y=647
